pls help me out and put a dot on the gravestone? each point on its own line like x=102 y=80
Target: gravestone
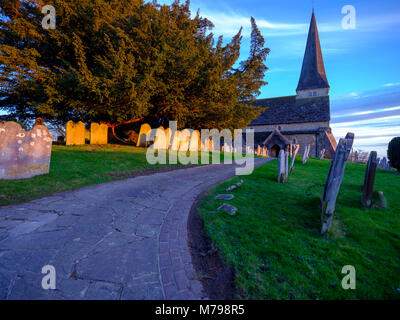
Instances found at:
x=282 y=175
x=184 y=140
x=142 y=138
x=334 y=180
x=295 y=150
x=98 y=133
x=322 y=154
x=306 y=153
x=168 y=136
x=175 y=141
x=369 y=180
x=286 y=165
x=195 y=143
x=24 y=154
x=356 y=157
x=75 y=133
x=160 y=140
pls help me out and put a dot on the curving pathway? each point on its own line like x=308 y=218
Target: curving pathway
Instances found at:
x=120 y=240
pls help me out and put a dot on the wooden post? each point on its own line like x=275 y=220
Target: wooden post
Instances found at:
x=334 y=180
x=295 y=151
x=369 y=180
x=281 y=167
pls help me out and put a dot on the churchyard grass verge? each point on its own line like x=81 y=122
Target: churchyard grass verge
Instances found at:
x=274 y=242
x=74 y=167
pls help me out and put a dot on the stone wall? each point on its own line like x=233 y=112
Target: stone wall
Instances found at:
x=24 y=154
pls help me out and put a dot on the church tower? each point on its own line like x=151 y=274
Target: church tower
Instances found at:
x=313 y=81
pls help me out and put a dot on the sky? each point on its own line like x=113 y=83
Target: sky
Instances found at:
x=362 y=64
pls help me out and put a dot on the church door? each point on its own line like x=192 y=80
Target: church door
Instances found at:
x=275 y=151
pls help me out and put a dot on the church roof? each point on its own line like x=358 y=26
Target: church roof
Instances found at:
x=285 y=110
x=313 y=74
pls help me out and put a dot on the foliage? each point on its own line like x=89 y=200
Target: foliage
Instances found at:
x=394 y=153
x=119 y=60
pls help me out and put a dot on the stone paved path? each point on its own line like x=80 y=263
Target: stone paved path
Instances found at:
x=120 y=240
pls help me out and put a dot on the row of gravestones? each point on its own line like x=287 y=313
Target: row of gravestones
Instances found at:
x=261 y=151
x=384 y=164
x=184 y=140
x=283 y=162
x=168 y=139
x=335 y=177
x=24 y=154
x=77 y=133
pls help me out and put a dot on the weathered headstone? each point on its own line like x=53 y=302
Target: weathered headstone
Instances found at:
x=184 y=140
x=356 y=157
x=160 y=142
x=334 y=180
x=322 y=154
x=98 y=133
x=369 y=180
x=75 y=133
x=175 y=141
x=24 y=154
x=295 y=150
x=168 y=136
x=282 y=176
x=195 y=142
x=306 y=153
x=142 y=138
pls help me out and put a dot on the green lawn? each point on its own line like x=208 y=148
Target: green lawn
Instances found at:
x=274 y=241
x=74 y=167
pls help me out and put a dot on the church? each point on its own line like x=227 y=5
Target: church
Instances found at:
x=302 y=118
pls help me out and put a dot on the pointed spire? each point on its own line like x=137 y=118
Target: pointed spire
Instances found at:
x=313 y=74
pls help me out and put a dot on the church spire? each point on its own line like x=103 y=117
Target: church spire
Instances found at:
x=313 y=81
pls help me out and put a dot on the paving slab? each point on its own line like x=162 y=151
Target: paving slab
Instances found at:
x=120 y=240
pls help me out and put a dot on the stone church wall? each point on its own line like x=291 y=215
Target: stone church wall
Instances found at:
x=291 y=126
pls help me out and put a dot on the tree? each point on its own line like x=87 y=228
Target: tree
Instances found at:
x=122 y=60
x=393 y=153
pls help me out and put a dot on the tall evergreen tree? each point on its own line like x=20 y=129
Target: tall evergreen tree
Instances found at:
x=119 y=60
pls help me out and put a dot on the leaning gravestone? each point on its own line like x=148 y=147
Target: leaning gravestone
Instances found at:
x=75 y=133
x=369 y=180
x=295 y=150
x=98 y=133
x=24 y=154
x=334 y=180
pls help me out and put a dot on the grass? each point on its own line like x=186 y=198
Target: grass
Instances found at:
x=274 y=241
x=73 y=167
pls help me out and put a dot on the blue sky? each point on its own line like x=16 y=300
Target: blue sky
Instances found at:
x=362 y=65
